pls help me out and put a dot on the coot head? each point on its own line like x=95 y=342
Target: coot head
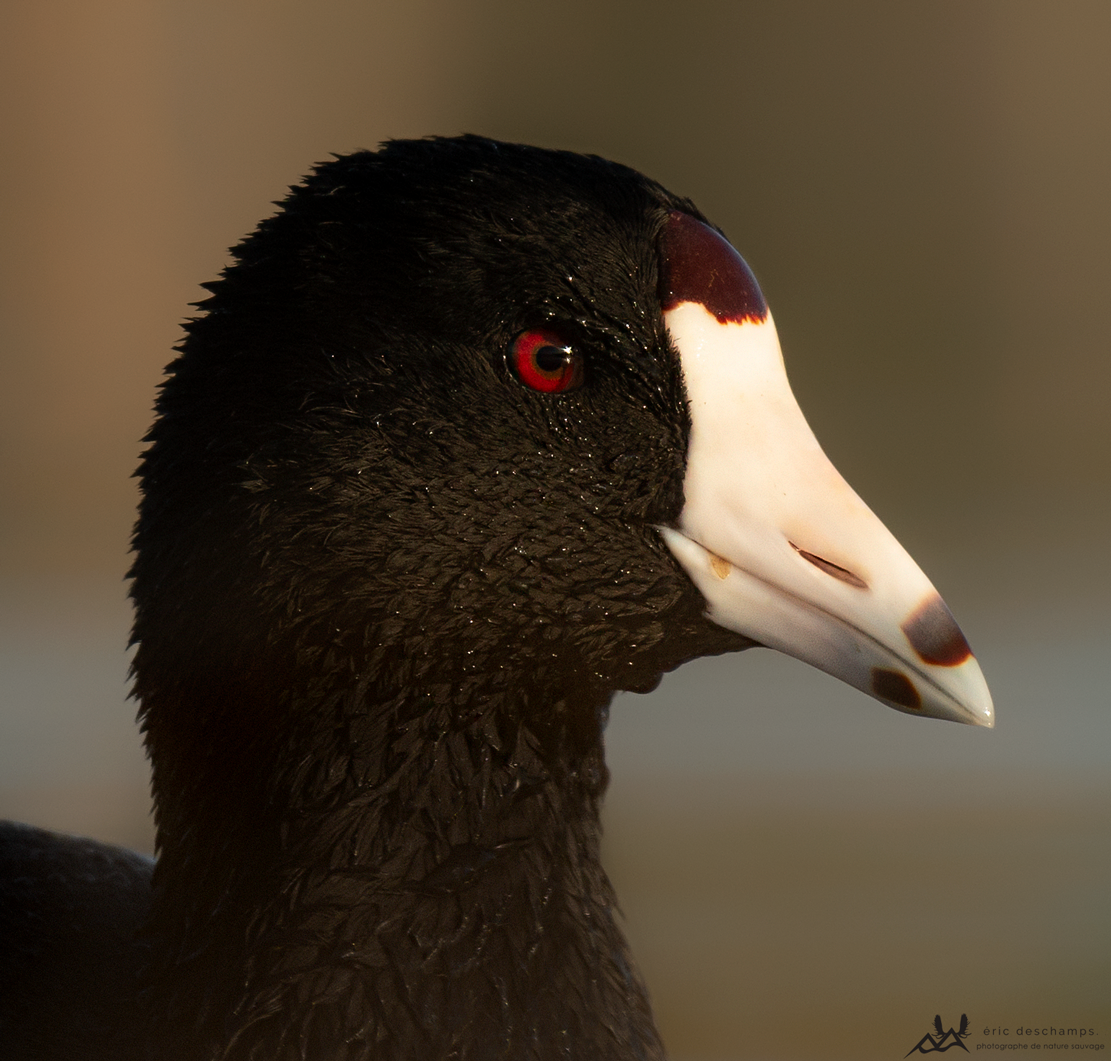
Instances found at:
x=468 y=437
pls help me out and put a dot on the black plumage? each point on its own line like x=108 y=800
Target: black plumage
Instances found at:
x=384 y=594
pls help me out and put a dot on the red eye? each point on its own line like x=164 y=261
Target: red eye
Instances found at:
x=546 y=362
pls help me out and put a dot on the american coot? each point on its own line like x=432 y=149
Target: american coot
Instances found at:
x=469 y=437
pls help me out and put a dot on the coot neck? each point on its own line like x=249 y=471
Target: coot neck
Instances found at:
x=403 y=876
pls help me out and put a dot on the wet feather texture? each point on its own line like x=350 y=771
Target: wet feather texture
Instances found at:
x=409 y=586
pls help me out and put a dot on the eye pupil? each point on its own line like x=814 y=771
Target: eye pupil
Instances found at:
x=546 y=362
x=551 y=358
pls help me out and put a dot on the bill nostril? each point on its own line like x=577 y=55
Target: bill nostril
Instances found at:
x=830 y=568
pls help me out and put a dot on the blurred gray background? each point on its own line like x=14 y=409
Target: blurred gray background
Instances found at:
x=922 y=189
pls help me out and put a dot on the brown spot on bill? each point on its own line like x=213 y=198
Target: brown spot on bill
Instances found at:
x=698 y=265
x=933 y=633
x=720 y=567
x=896 y=687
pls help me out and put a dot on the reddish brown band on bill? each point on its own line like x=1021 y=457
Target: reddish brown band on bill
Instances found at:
x=933 y=633
x=698 y=265
x=896 y=688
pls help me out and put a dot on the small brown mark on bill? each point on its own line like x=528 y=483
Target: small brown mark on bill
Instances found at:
x=842 y=574
x=896 y=688
x=720 y=566
x=933 y=633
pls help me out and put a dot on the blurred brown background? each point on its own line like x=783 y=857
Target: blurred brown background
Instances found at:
x=922 y=189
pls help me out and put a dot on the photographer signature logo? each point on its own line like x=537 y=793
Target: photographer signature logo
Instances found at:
x=943 y=1040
